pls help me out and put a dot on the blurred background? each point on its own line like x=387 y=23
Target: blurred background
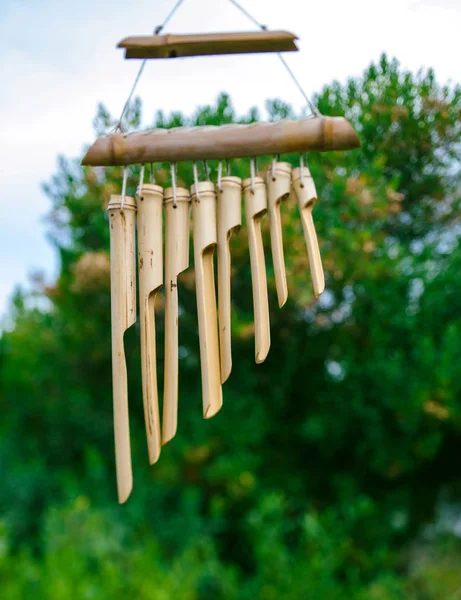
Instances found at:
x=332 y=470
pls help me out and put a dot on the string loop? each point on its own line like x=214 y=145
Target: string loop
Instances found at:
x=207 y=170
x=173 y=183
x=219 y=176
x=195 y=172
x=141 y=181
x=252 y=173
x=124 y=181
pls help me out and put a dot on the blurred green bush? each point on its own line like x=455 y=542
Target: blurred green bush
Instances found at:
x=324 y=473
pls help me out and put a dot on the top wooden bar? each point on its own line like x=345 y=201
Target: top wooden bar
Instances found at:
x=206 y=44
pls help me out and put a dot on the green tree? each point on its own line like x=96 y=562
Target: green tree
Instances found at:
x=325 y=461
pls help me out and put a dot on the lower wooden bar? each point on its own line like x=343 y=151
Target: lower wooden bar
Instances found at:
x=228 y=141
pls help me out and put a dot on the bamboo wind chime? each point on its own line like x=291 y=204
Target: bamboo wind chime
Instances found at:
x=216 y=216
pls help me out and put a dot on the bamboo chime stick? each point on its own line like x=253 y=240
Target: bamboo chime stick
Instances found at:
x=229 y=222
x=254 y=193
x=176 y=261
x=278 y=190
x=307 y=196
x=203 y=199
x=150 y=263
x=123 y=315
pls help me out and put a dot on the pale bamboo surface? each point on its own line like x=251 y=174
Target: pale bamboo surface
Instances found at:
x=307 y=196
x=255 y=208
x=177 y=225
x=205 y=44
x=225 y=141
x=150 y=265
x=205 y=242
x=229 y=222
x=123 y=315
x=278 y=181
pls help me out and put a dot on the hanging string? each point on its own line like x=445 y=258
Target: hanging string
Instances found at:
x=157 y=30
x=252 y=173
x=207 y=170
x=219 y=176
x=119 y=127
x=314 y=110
x=173 y=183
x=141 y=181
x=125 y=177
x=195 y=172
x=301 y=170
x=247 y=14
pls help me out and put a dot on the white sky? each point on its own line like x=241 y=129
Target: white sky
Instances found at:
x=58 y=60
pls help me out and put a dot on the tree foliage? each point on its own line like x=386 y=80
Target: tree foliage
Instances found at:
x=327 y=461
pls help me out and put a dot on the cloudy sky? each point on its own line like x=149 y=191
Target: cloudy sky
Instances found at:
x=58 y=60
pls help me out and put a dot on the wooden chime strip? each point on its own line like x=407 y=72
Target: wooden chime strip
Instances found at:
x=229 y=222
x=254 y=194
x=306 y=194
x=278 y=178
x=205 y=44
x=123 y=314
x=226 y=141
x=150 y=264
x=203 y=199
x=177 y=224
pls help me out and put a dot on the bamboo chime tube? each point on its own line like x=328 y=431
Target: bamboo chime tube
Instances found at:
x=278 y=178
x=229 y=222
x=123 y=315
x=306 y=194
x=150 y=264
x=203 y=198
x=176 y=261
x=254 y=194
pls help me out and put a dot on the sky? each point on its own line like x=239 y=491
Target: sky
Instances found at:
x=58 y=61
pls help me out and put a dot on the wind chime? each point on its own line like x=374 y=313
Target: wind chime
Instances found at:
x=216 y=215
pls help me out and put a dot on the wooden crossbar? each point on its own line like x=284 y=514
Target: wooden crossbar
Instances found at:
x=227 y=141
x=205 y=44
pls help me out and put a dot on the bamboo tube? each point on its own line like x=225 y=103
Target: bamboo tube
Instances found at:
x=123 y=315
x=150 y=263
x=176 y=261
x=307 y=196
x=227 y=141
x=278 y=181
x=229 y=222
x=205 y=241
x=255 y=208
